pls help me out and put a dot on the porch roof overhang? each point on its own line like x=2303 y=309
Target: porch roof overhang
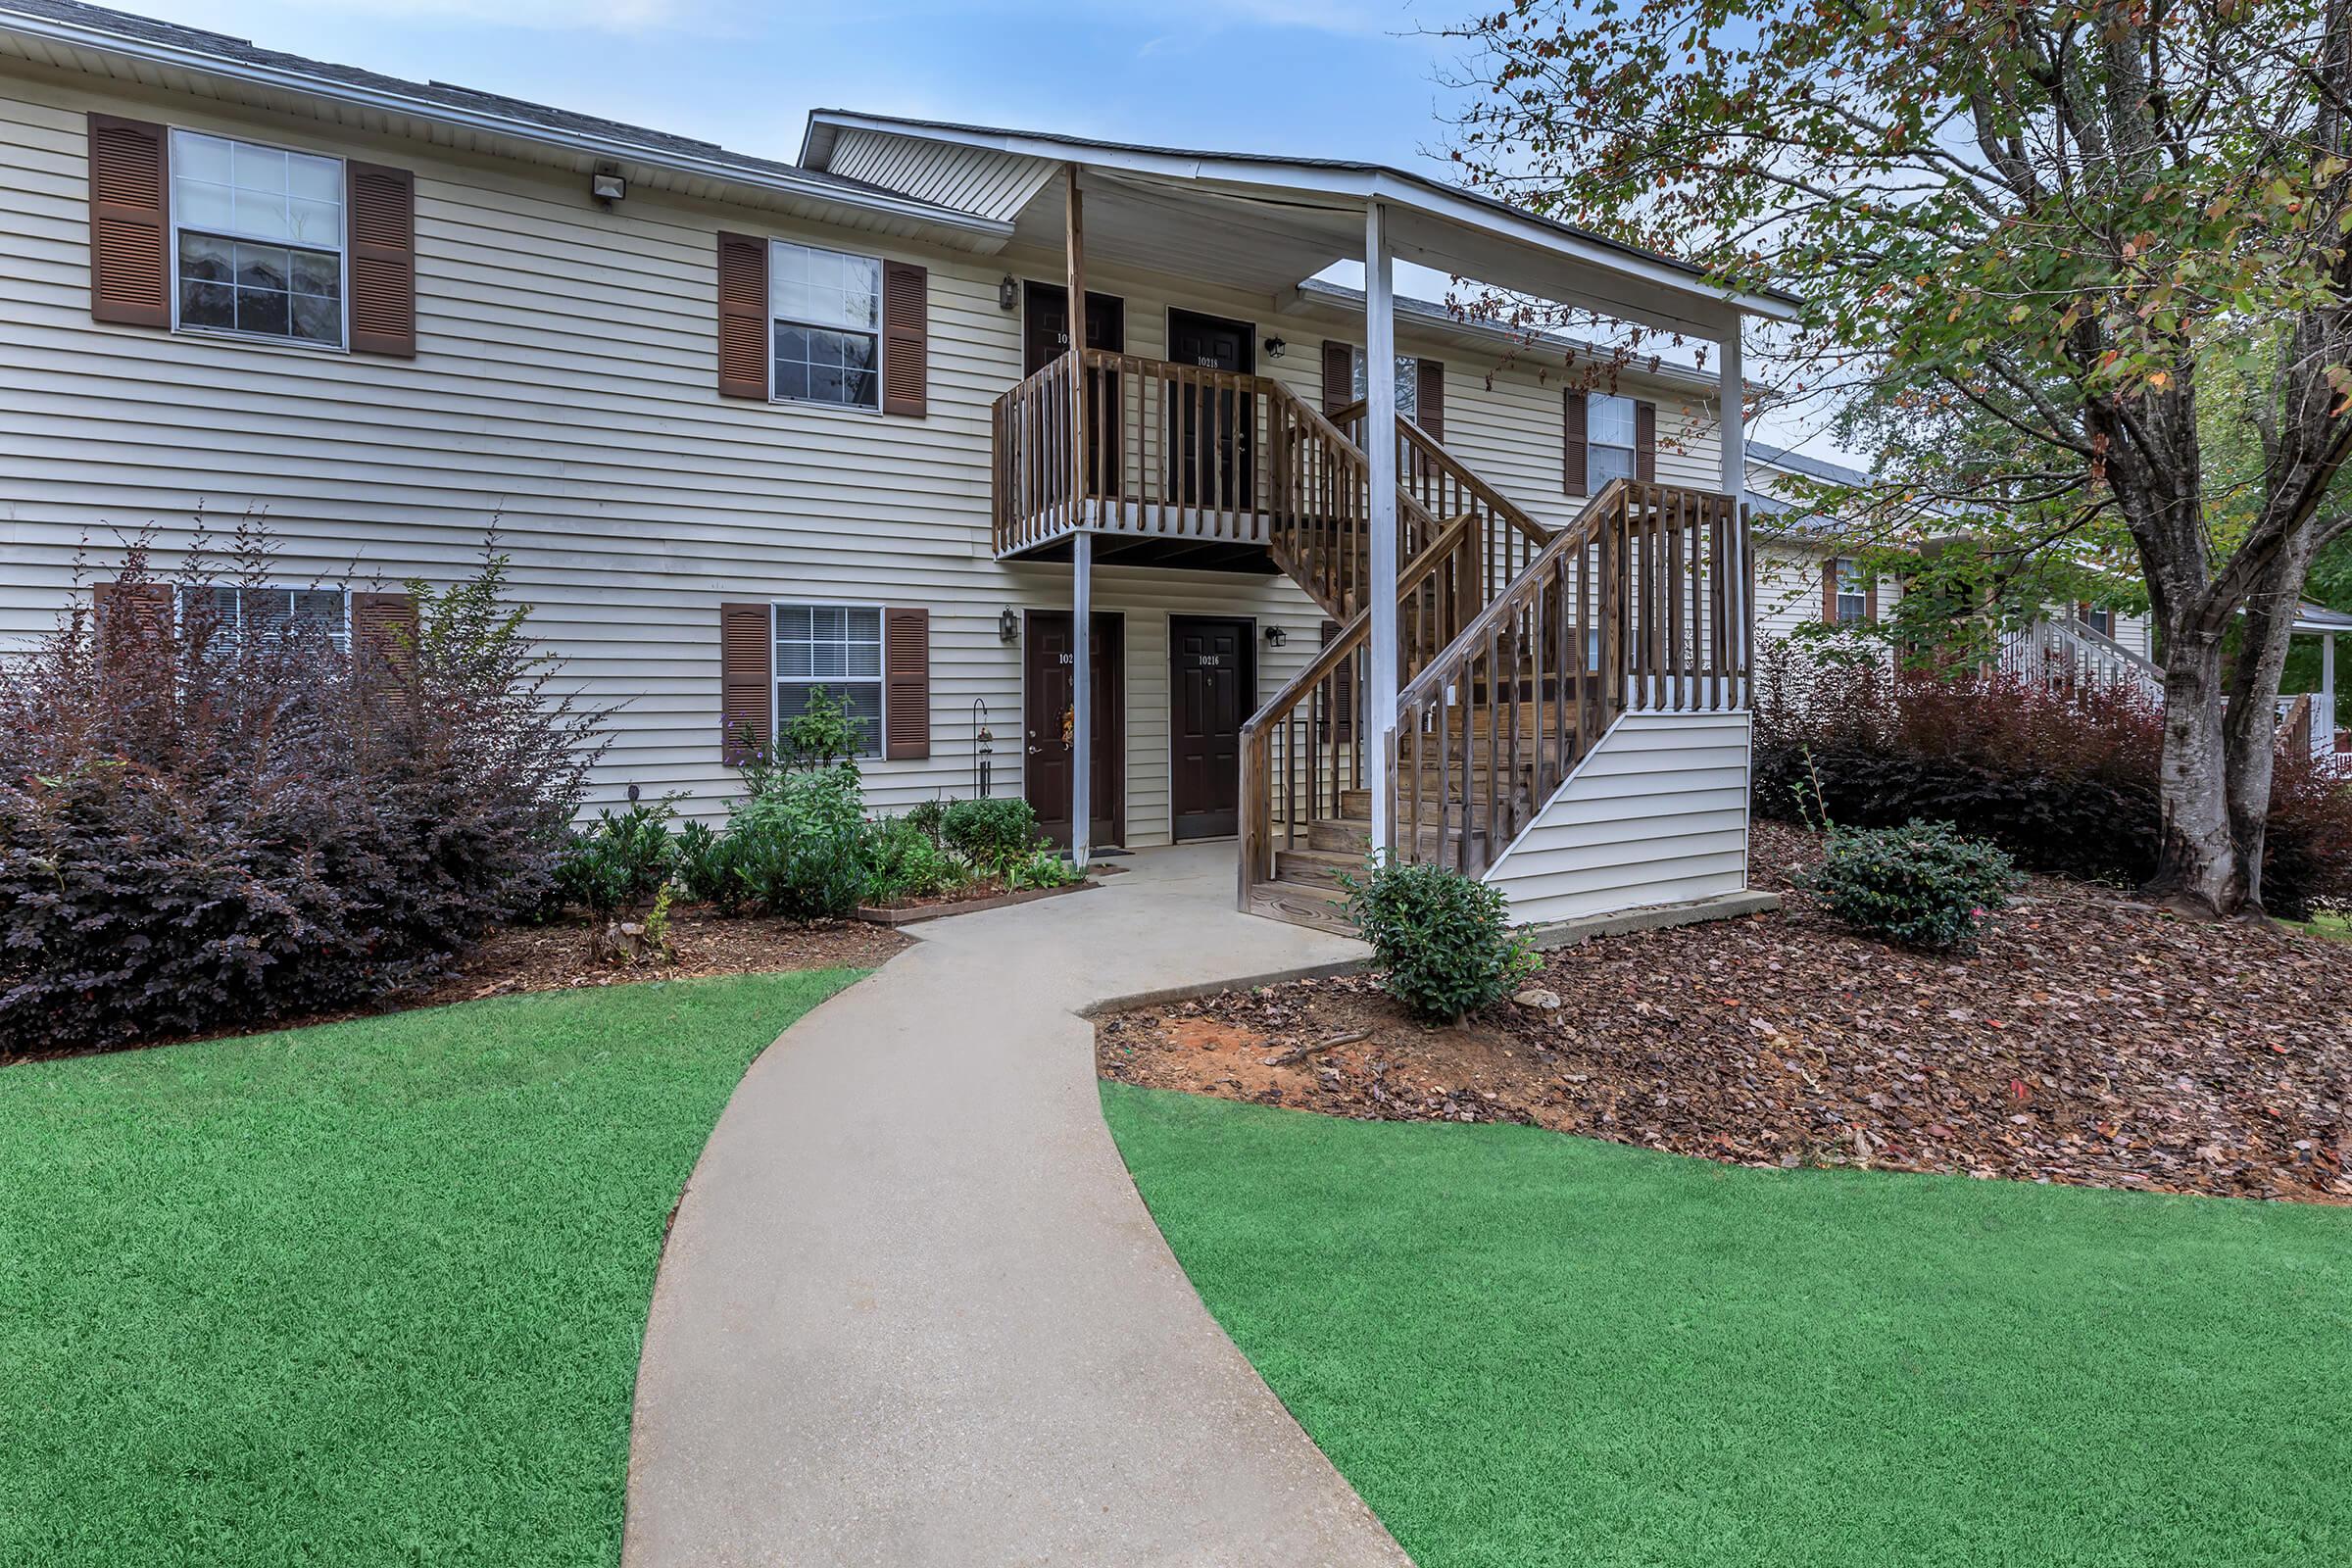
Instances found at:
x=2320 y=619
x=1175 y=210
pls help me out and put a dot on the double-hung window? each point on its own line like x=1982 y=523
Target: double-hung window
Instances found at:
x=838 y=646
x=1853 y=593
x=825 y=315
x=230 y=616
x=1609 y=439
x=257 y=240
x=1408 y=383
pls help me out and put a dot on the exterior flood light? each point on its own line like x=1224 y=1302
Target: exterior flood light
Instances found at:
x=608 y=188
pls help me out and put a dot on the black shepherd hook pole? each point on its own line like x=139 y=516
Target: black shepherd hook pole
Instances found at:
x=982 y=750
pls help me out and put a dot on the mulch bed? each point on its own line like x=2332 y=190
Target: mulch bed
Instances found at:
x=559 y=956
x=2089 y=1040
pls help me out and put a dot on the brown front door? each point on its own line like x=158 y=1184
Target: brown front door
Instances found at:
x=1210 y=433
x=1213 y=686
x=1046 y=336
x=1046 y=722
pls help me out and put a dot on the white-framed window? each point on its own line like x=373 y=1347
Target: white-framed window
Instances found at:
x=257 y=240
x=1853 y=593
x=825 y=320
x=1408 y=381
x=1610 y=438
x=2099 y=619
x=231 y=615
x=838 y=646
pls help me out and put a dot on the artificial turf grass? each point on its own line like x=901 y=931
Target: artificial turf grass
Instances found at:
x=369 y=1293
x=1526 y=1348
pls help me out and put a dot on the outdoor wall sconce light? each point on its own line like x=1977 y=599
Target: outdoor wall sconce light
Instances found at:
x=1008 y=293
x=1008 y=628
x=608 y=187
x=1276 y=348
x=1276 y=636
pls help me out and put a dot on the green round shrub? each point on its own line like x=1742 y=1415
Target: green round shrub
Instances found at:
x=1922 y=885
x=991 y=834
x=1442 y=942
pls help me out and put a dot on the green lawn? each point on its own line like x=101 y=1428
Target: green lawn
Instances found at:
x=1526 y=1348
x=2326 y=924
x=365 y=1294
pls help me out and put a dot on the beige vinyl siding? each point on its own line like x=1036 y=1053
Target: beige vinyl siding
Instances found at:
x=1656 y=813
x=563 y=390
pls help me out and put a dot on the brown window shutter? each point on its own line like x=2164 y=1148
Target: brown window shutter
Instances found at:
x=1429 y=397
x=1829 y=592
x=906 y=684
x=747 y=653
x=905 y=340
x=743 y=319
x=1646 y=442
x=380 y=213
x=1572 y=443
x=1339 y=374
x=130 y=210
x=384 y=632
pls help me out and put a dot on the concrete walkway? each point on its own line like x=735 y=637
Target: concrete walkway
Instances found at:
x=913 y=1310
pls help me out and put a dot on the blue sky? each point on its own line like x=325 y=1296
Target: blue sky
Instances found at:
x=1308 y=76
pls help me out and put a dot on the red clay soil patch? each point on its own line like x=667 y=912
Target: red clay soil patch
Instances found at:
x=2091 y=1039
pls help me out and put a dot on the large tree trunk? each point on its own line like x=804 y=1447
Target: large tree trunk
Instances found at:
x=2250 y=726
x=2198 y=868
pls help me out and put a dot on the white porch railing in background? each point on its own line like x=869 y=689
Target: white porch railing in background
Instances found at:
x=2066 y=652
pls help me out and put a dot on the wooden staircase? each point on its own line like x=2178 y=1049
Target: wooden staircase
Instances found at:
x=1518 y=649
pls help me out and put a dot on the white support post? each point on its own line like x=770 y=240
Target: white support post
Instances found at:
x=1380 y=446
x=1732 y=475
x=1081 y=694
x=1082 y=544
x=2325 y=746
x=1735 y=422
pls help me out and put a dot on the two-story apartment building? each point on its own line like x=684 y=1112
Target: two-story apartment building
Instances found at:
x=747 y=427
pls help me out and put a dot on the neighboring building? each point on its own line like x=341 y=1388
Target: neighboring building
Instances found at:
x=747 y=426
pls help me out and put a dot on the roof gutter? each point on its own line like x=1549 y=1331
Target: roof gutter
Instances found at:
x=780 y=182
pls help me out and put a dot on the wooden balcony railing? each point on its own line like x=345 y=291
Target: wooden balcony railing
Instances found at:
x=1641 y=605
x=1171 y=449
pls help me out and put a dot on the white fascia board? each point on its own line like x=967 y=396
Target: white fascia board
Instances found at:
x=1701 y=311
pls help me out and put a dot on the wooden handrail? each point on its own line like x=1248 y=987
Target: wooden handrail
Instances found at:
x=1644 y=603
x=2295 y=727
x=1581 y=533
x=1321 y=756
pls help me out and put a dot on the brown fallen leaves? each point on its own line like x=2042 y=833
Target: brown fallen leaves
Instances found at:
x=2089 y=1040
